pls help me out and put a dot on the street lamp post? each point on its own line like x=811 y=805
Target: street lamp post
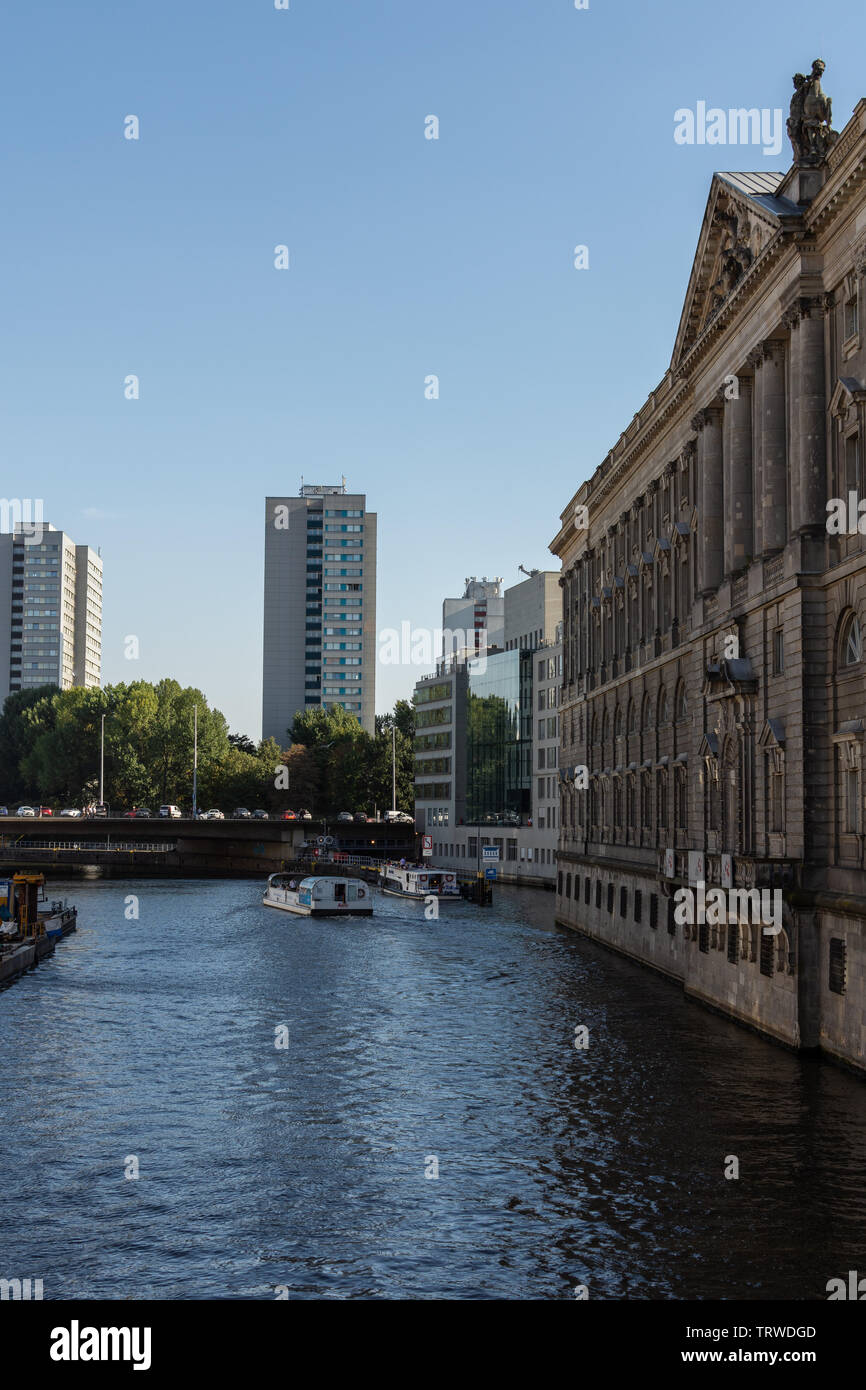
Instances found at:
x=102 y=763
x=195 y=761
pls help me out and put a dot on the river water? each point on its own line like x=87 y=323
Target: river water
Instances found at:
x=302 y=1171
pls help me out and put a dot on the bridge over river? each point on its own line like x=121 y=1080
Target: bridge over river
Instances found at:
x=190 y=848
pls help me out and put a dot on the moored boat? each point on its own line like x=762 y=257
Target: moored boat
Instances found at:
x=327 y=896
x=30 y=925
x=409 y=881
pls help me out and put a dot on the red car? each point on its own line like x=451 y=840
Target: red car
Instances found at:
x=289 y=815
x=45 y=811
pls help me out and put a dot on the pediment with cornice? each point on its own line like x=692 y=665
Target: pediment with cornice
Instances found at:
x=736 y=231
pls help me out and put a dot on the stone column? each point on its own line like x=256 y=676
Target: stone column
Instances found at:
x=738 y=478
x=773 y=497
x=791 y=320
x=812 y=515
x=708 y=424
x=756 y=362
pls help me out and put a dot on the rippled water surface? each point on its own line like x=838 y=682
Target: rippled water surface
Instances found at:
x=409 y=1041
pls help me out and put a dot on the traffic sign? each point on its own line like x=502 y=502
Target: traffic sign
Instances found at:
x=490 y=852
x=427 y=845
x=490 y=874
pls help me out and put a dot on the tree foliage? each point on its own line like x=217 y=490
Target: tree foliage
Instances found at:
x=50 y=741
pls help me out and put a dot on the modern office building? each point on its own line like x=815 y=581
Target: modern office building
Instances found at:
x=50 y=611
x=713 y=720
x=487 y=741
x=319 y=607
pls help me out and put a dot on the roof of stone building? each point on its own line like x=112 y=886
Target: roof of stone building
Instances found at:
x=761 y=188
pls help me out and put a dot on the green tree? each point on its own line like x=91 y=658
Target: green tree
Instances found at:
x=26 y=715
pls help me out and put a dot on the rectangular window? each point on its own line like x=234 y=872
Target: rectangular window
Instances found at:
x=778 y=651
x=838 y=965
x=852 y=462
x=638 y=903
x=777 y=803
x=852 y=317
x=768 y=949
x=852 y=800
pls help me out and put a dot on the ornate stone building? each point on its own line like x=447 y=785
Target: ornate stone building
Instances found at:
x=714 y=681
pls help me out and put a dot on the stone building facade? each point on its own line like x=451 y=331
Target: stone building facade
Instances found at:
x=713 y=718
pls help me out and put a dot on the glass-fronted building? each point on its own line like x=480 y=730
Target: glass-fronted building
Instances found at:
x=499 y=737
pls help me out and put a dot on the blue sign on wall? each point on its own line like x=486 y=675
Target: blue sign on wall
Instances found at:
x=490 y=873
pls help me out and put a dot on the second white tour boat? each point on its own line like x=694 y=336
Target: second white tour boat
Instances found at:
x=407 y=881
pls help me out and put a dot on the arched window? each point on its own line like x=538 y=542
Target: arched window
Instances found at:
x=617 y=722
x=682 y=703
x=647 y=716
x=605 y=728
x=663 y=706
x=851 y=643
x=632 y=717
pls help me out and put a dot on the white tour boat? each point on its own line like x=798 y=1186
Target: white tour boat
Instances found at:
x=319 y=897
x=408 y=881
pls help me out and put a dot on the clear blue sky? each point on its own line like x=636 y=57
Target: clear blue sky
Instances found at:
x=409 y=257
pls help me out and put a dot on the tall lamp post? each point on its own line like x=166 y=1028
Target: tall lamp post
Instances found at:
x=102 y=763
x=194 y=761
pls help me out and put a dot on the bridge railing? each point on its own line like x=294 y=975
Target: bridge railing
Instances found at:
x=90 y=846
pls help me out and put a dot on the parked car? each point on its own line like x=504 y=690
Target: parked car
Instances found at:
x=305 y=815
x=361 y=817
x=288 y=815
x=241 y=813
x=26 y=811
x=142 y=813
x=100 y=810
x=399 y=818
x=215 y=815
x=4 y=810
x=170 y=812
x=45 y=811
x=71 y=811
x=202 y=815
x=260 y=815
x=345 y=815
x=130 y=815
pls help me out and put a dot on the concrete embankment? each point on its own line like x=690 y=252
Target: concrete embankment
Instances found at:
x=23 y=956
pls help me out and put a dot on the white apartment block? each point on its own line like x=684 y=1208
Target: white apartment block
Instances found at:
x=50 y=611
x=319 y=607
